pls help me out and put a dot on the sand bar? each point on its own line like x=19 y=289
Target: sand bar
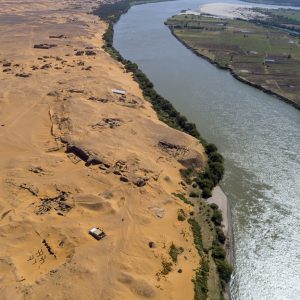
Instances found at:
x=231 y=11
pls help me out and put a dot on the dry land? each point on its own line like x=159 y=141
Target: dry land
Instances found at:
x=265 y=57
x=75 y=155
x=82 y=147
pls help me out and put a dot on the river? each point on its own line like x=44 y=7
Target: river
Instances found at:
x=258 y=135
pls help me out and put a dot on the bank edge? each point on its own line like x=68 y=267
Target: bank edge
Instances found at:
x=206 y=180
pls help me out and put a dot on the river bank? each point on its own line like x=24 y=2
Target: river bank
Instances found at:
x=75 y=155
x=233 y=72
x=257 y=134
x=219 y=198
x=208 y=178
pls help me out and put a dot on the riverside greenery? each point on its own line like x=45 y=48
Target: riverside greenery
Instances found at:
x=202 y=274
x=166 y=112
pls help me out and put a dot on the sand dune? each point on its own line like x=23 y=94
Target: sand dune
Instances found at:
x=74 y=156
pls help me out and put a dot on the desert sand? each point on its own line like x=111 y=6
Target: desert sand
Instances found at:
x=74 y=156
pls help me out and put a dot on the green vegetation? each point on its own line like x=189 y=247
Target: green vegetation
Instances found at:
x=225 y=270
x=211 y=176
x=218 y=250
x=182 y=198
x=194 y=194
x=186 y=174
x=166 y=267
x=200 y=281
x=255 y=51
x=213 y=173
x=220 y=235
x=181 y=215
x=213 y=239
x=282 y=18
x=164 y=109
x=217 y=217
x=167 y=113
x=276 y=2
x=174 y=252
x=201 y=277
x=206 y=193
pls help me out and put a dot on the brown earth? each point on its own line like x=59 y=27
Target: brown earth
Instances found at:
x=76 y=156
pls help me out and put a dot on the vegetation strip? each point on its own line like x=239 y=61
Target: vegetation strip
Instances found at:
x=166 y=112
x=288 y=19
x=201 y=277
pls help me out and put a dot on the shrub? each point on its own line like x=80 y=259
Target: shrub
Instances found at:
x=167 y=267
x=218 y=250
x=196 y=229
x=216 y=157
x=220 y=235
x=200 y=281
x=194 y=195
x=217 y=217
x=216 y=170
x=224 y=269
x=206 y=183
x=182 y=198
x=206 y=193
x=181 y=215
x=201 y=277
x=174 y=252
x=186 y=174
x=211 y=148
x=214 y=206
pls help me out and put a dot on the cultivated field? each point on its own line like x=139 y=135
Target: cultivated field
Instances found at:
x=261 y=55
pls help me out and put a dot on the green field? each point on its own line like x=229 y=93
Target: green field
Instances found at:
x=261 y=55
x=281 y=18
x=276 y=2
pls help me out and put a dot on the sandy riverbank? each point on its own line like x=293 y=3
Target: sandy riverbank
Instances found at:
x=231 y=11
x=74 y=155
x=219 y=198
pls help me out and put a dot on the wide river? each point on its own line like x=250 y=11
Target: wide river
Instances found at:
x=258 y=135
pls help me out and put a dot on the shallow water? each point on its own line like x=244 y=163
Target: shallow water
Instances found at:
x=258 y=135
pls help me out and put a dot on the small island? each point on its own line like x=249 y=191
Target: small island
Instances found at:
x=260 y=47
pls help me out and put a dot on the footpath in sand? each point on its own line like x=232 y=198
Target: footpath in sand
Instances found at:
x=74 y=156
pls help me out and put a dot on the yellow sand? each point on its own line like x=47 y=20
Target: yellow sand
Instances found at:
x=50 y=198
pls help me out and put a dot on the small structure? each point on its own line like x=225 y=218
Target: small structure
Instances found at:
x=119 y=92
x=97 y=233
